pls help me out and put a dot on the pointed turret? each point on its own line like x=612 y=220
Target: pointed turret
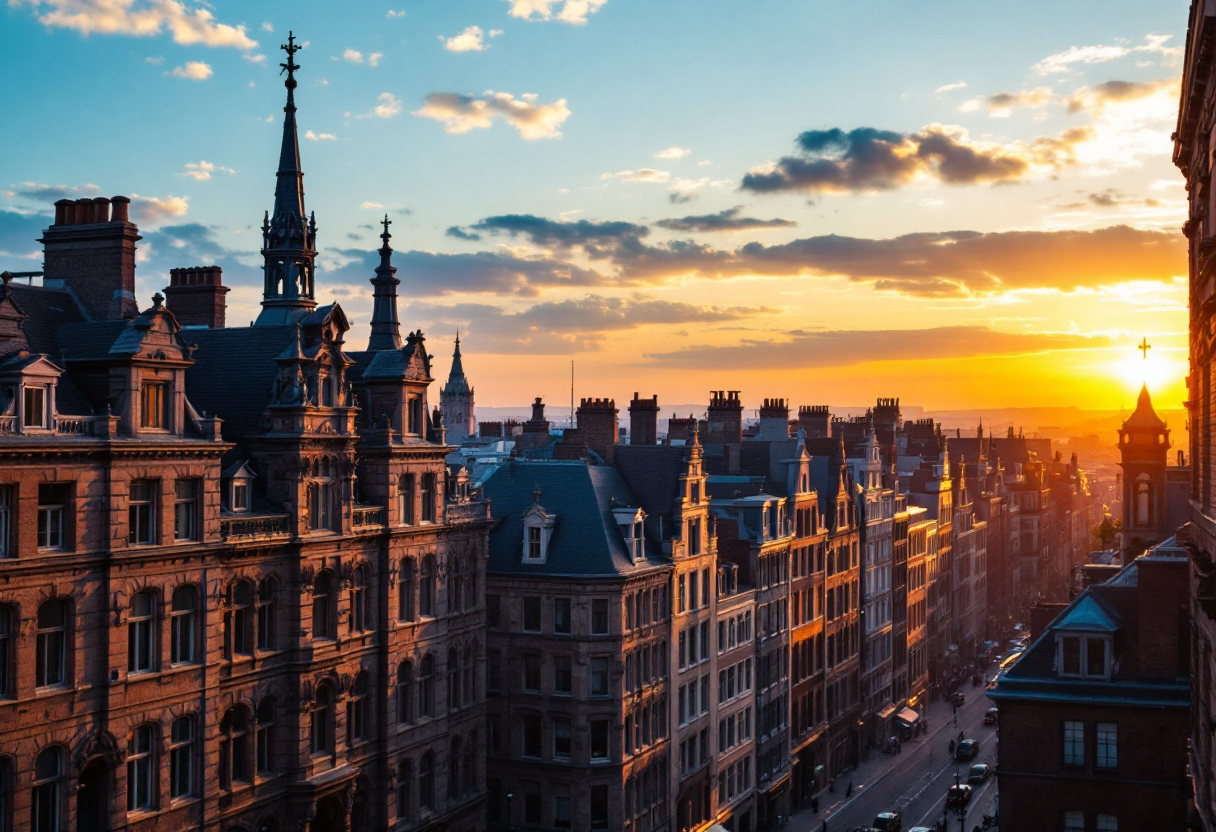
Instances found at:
x=288 y=239
x=386 y=328
x=456 y=399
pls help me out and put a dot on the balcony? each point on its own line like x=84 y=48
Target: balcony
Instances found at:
x=467 y=512
x=367 y=518
x=243 y=527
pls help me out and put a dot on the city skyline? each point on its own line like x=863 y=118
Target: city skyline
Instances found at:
x=1023 y=211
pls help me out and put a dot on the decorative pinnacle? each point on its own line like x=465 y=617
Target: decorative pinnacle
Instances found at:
x=386 y=236
x=291 y=48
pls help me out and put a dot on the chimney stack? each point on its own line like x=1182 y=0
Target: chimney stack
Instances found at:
x=816 y=420
x=93 y=253
x=195 y=296
x=644 y=421
x=725 y=419
x=597 y=426
x=774 y=421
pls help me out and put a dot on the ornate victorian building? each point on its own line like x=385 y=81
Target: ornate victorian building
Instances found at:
x=233 y=595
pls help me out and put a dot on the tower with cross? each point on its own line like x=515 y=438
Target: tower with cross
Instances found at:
x=289 y=234
x=386 y=326
x=1144 y=443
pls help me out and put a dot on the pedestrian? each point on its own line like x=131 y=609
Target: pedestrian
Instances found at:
x=814 y=803
x=960 y=736
x=951 y=748
x=956 y=717
x=849 y=791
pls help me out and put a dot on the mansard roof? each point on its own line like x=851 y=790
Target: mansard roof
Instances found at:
x=234 y=372
x=586 y=540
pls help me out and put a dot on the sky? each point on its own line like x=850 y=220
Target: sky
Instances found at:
x=963 y=205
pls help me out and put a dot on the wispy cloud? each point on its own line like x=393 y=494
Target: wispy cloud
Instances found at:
x=152 y=210
x=957 y=85
x=1094 y=99
x=728 y=220
x=388 y=107
x=201 y=171
x=394 y=13
x=319 y=137
x=374 y=58
x=267 y=26
x=574 y=12
x=639 y=175
x=1067 y=60
x=193 y=70
x=353 y=56
x=188 y=26
x=470 y=40
x=257 y=58
x=39 y=192
x=461 y=113
x=1002 y=104
x=673 y=152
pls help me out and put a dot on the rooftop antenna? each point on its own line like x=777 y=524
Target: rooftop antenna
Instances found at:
x=572 y=394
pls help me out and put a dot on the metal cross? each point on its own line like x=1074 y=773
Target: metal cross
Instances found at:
x=291 y=48
x=385 y=236
x=1144 y=346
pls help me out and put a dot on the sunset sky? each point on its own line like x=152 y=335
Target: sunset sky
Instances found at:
x=964 y=205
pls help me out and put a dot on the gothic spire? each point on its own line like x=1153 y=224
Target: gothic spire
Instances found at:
x=457 y=383
x=386 y=328
x=288 y=234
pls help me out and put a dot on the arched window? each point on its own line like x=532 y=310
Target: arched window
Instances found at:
x=6 y=658
x=470 y=763
x=323 y=605
x=357 y=708
x=470 y=675
x=239 y=619
x=321 y=499
x=234 y=746
x=1144 y=500
x=322 y=720
x=426 y=687
x=426 y=587
x=267 y=625
x=181 y=758
x=46 y=808
x=405 y=787
x=405 y=692
x=182 y=617
x=454 y=768
x=52 y=644
x=470 y=590
x=453 y=670
x=405 y=591
x=426 y=782
x=141 y=769
x=141 y=633
x=266 y=718
x=360 y=604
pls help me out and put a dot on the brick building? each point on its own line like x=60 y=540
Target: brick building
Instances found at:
x=264 y=618
x=1099 y=707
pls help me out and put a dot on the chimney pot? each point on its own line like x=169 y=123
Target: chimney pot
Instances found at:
x=101 y=209
x=84 y=211
x=61 y=211
x=119 y=205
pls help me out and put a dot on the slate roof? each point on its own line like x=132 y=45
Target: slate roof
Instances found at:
x=47 y=310
x=234 y=372
x=586 y=540
x=652 y=473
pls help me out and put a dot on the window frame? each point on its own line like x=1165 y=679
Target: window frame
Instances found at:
x=142 y=513
x=60 y=633
x=186 y=509
x=1073 y=745
x=142 y=652
x=54 y=516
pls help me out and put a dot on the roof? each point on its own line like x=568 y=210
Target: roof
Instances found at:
x=586 y=540
x=1087 y=614
x=47 y=309
x=1144 y=417
x=652 y=473
x=216 y=387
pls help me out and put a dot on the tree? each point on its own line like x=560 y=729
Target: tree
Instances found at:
x=1104 y=534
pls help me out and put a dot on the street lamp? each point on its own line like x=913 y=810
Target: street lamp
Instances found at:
x=509 y=815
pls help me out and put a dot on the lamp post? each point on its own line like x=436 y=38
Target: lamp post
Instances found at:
x=509 y=815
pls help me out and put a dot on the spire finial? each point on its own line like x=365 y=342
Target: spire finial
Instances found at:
x=386 y=222
x=291 y=48
x=1144 y=346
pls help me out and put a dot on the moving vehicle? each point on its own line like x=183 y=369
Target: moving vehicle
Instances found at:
x=990 y=716
x=957 y=699
x=967 y=750
x=959 y=795
x=979 y=773
x=888 y=822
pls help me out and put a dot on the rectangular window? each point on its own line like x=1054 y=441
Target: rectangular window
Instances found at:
x=531 y=746
x=1108 y=745
x=185 y=509
x=599 y=740
x=7 y=549
x=599 y=616
x=240 y=496
x=141 y=513
x=1108 y=823
x=35 y=411
x=1074 y=822
x=532 y=673
x=561 y=807
x=427 y=497
x=52 y=516
x=561 y=738
x=704 y=694
x=154 y=401
x=562 y=677
x=599 y=676
x=532 y=614
x=692 y=591
x=534 y=548
x=492 y=611
x=599 y=807
x=1074 y=743
x=1070 y=659
x=1095 y=657
x=705 y=639
x=561 y=615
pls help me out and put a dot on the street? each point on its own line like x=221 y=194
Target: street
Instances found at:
x=915 y=781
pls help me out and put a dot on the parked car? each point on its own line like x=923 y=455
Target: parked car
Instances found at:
x=990 y=716
x=979 y=773
x=920 y=829
x=957 y=699
x=888 y=822
x=959 y=795
x=967 y=750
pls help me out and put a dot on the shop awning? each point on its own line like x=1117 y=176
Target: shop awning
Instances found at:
x=886 y=712
x=908 y=717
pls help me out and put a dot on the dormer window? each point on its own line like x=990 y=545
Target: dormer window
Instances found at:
x=629 y=521
x=154 y=405
x=1085 y=656
x=35 y=412
x=238 y=488
x=538 y=532
x=27 y=392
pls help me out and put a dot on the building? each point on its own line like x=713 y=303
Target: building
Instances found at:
x=1099 y=708
x=240 y=620
x=456 y=402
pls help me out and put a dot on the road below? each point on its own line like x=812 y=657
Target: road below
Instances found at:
x=915 y=781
